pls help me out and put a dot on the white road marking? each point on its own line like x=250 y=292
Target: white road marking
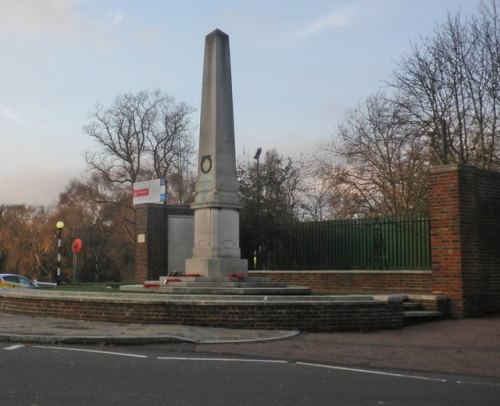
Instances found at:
x=14 y=347
x=266 y=361
x=123 y=354
x=478 y=383
x=367 y=371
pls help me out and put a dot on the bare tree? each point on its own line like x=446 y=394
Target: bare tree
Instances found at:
x=317 y=199
x=377 y=166
x=317 y=194
x=454 y=75
x=486 y=29
x=183 y=178
x=140 y=137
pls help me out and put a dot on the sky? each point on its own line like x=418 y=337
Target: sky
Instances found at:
x=297 y=65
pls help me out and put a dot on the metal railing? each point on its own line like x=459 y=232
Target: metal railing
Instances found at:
x=374 y=243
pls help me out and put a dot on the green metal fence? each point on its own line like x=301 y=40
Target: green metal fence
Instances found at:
x=375 y=243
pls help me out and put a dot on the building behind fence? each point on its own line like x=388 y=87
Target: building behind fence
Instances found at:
x=391 y=243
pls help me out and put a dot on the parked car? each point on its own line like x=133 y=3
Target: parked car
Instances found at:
x=15 y=281
x=10 y=280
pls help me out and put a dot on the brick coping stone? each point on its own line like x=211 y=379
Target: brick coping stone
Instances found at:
x=154 y=298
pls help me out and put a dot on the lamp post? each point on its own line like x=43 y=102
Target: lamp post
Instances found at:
x=60 y=226
x=257 y=254
x=256 y=157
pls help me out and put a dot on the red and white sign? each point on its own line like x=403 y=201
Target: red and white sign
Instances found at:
x=150 y=191
x=141 y=192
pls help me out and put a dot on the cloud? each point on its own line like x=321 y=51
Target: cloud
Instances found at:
x=9 y=114
x=102 y=22
x=117 y=19
x=62 y=19
x=340 y=18
x=36 y=185
x=35 y=17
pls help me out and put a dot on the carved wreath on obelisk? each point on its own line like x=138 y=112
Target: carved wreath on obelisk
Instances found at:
x=206 y=163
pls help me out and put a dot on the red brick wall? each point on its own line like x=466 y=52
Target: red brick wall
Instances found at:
x=464 y=206
x=313 y=316
x=355 y=282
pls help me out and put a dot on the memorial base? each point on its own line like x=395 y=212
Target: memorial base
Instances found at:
x=217 y=267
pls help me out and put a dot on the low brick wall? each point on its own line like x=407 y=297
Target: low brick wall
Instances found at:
x=305 y=315
x=344 y=282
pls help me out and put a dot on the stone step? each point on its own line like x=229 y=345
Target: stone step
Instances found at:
x=227 y=282
x=202 y=290
x=199 y=285
x=412 y=306
x=204 y=279
x=239 y=284
x=419 y=316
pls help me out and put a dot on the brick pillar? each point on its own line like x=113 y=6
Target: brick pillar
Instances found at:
x=151 y=245
x=464 y=208
x=151 y=242
x=446 y=248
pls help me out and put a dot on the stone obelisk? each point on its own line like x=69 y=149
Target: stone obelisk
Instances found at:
x=216 y=251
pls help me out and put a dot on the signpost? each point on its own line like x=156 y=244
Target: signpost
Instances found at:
x=150 y=191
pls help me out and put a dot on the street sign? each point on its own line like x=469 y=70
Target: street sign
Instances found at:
x=150 y=191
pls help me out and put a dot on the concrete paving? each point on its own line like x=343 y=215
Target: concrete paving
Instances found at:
x=19 y=328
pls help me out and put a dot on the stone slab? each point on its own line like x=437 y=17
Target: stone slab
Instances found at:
x=421 y=313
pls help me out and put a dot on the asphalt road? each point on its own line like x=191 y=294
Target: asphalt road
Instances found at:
x=176 y=374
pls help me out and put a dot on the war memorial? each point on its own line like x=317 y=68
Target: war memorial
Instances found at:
x=214 y=288
x=216 y=266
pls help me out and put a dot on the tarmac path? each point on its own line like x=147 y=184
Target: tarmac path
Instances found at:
x=466 y=346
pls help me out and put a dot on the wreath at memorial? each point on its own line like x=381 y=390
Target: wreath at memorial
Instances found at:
x=206 y=163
